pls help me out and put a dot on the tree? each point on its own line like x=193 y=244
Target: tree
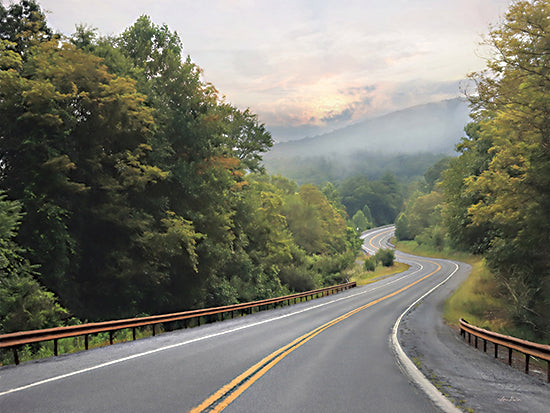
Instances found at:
x=498 y=191
x=24 y=25
x=434 y=174
x=360 y=221
x=77 y=140
x=24 y=303
x=383 y=198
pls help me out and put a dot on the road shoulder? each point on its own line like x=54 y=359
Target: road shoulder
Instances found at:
x=471 y=379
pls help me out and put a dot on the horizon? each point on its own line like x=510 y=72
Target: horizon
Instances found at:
x=306 y=68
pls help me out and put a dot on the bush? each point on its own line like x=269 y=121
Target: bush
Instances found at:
x=385 y=256
x=370 y=264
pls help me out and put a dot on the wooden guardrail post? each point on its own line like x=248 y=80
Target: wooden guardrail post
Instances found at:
x=527 y=348
x=15 y=355
x=14 y=341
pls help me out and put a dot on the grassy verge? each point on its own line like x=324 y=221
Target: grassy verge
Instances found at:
x=476 y=299
x=72 y=345
x=362 y=277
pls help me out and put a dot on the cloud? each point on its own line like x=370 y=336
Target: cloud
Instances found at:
x=312 y=64
x=343 y=115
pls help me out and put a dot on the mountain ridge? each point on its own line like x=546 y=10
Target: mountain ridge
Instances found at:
x=433 y=127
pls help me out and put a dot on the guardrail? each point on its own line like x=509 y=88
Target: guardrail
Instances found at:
x=15 y=340
x=527 y=348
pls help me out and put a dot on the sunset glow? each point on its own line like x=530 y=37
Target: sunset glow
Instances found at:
x=313 y=65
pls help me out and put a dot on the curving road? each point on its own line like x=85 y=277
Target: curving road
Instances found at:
x=332 y=354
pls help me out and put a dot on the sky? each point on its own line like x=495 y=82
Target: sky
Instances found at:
x=311 y=66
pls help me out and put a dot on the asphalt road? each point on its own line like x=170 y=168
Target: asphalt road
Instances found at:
x=333 y=354
x=473 y=380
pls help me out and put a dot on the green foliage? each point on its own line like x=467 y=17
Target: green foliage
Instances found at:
x=322 y=169
x=421 y=219
x=494 y=199
x=370 y=264
x=24 y=304
x=385 y=256
x=143 y=190
x=24 y=25
x=383 y=199
x=510 y=192
x=434 y=173
x=360 y=222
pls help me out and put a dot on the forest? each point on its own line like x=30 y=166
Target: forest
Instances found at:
x=129 y=186
x=494 y=198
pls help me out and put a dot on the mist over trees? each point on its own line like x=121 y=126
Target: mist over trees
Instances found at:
x=494 y=199
x=131 y=187
x=406 y=143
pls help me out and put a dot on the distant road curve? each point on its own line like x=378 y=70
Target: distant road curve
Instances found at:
x=327 y=355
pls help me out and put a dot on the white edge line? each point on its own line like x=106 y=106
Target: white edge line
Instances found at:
x=146 y=353
x=411 y=370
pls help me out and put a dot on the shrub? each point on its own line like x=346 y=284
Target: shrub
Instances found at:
x=385 y=256
x=370 y=264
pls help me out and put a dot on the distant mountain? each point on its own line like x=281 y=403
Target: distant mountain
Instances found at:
x=431 y=128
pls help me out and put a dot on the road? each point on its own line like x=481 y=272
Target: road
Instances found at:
x=333 y=354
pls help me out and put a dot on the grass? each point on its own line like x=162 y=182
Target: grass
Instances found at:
x=476 y=299
x=73 y=344
x=363 y=277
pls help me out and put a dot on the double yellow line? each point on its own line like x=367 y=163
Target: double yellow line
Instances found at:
x=228 y=393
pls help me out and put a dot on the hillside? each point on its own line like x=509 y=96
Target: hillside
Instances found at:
x=406 y=143
x=433 y=128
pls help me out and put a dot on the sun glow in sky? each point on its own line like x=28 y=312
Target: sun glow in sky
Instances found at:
x=307 y=66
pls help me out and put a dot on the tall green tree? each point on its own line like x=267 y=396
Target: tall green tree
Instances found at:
x=75 y=153
x=503 y=173
x=383 y=197
x=24 y=25
x=24 y=303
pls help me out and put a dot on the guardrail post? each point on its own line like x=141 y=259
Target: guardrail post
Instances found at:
x=15 y=355
x=217 y=313
x=528 y=349
x=475 y=341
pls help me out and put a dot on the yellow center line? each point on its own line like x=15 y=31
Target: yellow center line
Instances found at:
x=377 y=236
x=228 y=393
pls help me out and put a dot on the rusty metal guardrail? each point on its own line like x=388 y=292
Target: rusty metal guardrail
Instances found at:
x=15 y=340
x=529 y=349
